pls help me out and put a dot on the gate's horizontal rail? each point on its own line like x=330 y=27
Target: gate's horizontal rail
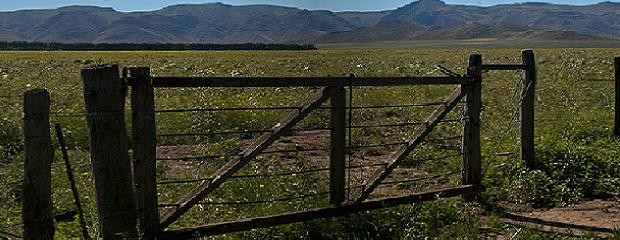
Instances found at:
x=177 y=82
x=269 y=221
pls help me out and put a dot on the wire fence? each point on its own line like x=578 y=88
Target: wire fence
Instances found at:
x=303 y=153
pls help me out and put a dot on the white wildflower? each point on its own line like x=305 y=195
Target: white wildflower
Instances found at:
x=234 y=73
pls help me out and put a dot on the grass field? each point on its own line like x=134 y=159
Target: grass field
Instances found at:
x=575 y=99
x=482 y=43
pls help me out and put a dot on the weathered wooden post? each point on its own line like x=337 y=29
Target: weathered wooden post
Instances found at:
x=37 y=186
x=144 y=151
x=617 y=109
x=104 y=96
x=338 y=146
x=527 y=109
x=471 y=133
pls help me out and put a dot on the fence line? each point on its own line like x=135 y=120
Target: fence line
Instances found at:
x=469 y=85
x=144 y=142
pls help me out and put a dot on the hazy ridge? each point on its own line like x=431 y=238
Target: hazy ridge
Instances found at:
x=220 y=23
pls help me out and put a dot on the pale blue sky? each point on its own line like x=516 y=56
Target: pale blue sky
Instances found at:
x=336 y=5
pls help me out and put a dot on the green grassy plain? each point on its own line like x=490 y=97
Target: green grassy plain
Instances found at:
x=574 y=142
x=481 y=43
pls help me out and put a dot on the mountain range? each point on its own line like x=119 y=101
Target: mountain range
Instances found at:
x=221 y=23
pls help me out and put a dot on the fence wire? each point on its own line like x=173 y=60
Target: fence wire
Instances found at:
x=302 y=148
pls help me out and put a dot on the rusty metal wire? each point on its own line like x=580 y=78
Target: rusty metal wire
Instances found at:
x=214 y=133
x=403 y=124
x=378 y=145
x=69 y=115
x=207 y=134
x=170 y=182
x=226 y=109
x=203 y=157
x=417 y=161
x=367 y=166
x=438 y=176
x=427 y=104
x=436 y=140
x=286 y=199
x=282 y=174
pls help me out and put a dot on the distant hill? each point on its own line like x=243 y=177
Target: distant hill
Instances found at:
x=221 y=23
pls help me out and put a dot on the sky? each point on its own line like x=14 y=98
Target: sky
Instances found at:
x=334 y=5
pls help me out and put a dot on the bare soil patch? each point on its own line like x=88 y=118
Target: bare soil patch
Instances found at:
x=595 y=213
x=300 y=143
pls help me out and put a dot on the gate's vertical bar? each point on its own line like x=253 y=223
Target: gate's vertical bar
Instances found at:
x=338 y=146
x=144 y=151
x=471 y=132
x=104 y=96
x=527 y=109
x=37 y=186
x=617 y=109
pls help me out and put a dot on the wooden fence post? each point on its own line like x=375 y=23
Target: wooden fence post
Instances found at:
x=37 y=186
x=104 y=96
x=471 y=133
x=527 y=109
x=338 y=146
x=617 y=109
x=144 y=151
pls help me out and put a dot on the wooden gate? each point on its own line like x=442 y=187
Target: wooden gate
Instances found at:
x=333 y=90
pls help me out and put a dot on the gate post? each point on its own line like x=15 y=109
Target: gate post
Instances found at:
x=144 y=151
x=471 y=132
x=617 y=109
x=527 y=109
x=104 y=96
x=338 y=146
x=37 y=186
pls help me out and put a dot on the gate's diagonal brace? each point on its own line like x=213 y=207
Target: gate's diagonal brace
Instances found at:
x=245 y=156
x=420 y=133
